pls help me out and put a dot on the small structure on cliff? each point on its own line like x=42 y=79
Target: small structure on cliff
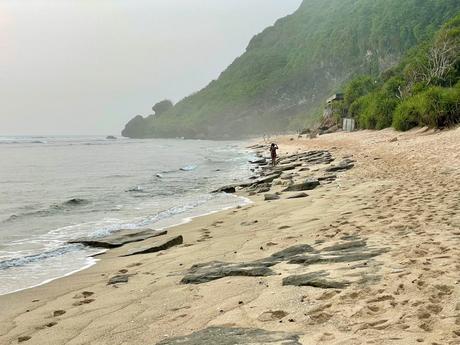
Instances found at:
x=332 y=114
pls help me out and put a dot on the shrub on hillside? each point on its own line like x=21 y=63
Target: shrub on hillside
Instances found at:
x=436 y=108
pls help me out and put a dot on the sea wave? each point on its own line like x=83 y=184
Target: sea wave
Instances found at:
x=28 y=259
x=188 y=168
x=51 y=210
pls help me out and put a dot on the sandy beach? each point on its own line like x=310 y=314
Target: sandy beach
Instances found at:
x=370 y=258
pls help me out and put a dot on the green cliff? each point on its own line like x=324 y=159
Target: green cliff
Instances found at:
x=289 y=69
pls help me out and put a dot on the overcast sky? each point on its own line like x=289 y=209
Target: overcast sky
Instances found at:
x=88 y=66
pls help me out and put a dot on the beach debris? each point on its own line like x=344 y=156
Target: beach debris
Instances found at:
x=120 y=238
x=240 y=336
x=393 y=140
x=157 y=247
x=308 y=184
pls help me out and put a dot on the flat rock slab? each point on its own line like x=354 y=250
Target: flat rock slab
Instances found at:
x=234 y=336
x=344 y=165
x=118 y=279
x=308 y=184
x=298 y=196
x=204 y=273
x=120 y=238
x=351 y=250
x=315 y=279
x=157 y=247
x=207 y=272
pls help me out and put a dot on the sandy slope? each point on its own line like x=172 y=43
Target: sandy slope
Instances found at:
x=402 y=197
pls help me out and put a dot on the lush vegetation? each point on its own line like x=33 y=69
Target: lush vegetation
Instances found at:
x=423 y=90
x=289 y=69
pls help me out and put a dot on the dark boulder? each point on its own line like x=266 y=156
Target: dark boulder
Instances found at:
x=271 y=197
x=157 y=247
x=344 y=165
x=226 y=189
x=308 y=184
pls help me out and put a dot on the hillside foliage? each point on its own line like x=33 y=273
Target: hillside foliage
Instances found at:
x=423 y=90
x=289 y=69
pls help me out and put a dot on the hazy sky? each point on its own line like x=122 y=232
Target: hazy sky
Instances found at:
x=88 y=66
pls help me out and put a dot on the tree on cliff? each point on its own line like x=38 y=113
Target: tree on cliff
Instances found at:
x=162 y=107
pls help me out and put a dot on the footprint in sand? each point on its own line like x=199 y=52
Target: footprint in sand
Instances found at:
x=48 y=325
x=134 y=265
x=84 y=301
x=57 y=313
x=84 y=294
x=24 y=338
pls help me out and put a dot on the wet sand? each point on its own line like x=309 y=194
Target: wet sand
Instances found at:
x=381 y=265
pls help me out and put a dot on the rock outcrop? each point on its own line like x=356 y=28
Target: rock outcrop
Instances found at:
x=157 y=247
x=119 y=238
x=234 y=336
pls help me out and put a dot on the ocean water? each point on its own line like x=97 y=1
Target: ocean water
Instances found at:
x=54 y=189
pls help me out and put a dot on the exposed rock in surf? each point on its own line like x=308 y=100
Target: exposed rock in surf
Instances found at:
x=120 y=238
x=157 y=247
x=233 y=336
x=226 y=189
x=76 y=202
x=308 y=184
x=111 y=137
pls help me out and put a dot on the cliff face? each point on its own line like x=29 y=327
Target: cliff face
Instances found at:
x=290 y=68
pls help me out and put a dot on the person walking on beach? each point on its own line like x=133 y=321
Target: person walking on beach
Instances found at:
x=273 y=149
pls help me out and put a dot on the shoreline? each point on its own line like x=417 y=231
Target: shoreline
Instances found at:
x=403 y=220
x=94 y=261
